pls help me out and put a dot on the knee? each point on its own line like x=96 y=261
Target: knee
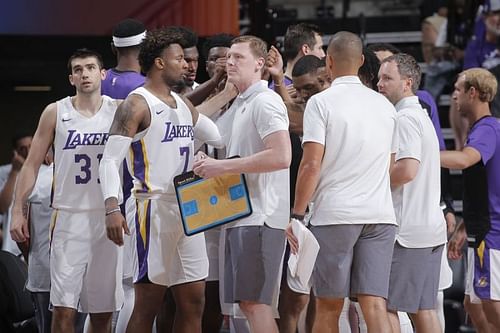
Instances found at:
x=100 y=319
x=193 y=303
x=63 y=315
x=249 y=308
x=332 y=306
x=373 y=304
x=468 y=306
x=292 y=303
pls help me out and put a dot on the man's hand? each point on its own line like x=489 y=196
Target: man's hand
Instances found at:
x=451 y=223
x=17 y=161
x=19 y=230
x=456 y=243
x=220 y=69
x=293 y=94
x=115 y=222
x=292 y=240
x=274 y=64
x=230 y=89
x=207 y=167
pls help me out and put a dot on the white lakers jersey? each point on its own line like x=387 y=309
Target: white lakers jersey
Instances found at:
x=163 y=150
x=78 y=146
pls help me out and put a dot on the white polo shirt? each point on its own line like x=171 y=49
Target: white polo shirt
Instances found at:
x=259 y=112
x=356 y=125
x=416 y=204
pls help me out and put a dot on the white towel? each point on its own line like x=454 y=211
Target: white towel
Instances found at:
x=301 y=265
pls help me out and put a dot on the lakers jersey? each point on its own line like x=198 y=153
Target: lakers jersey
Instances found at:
x=78 y=146
x=163 y=150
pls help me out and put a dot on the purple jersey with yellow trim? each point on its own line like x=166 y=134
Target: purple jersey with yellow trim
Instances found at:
x=482 y=183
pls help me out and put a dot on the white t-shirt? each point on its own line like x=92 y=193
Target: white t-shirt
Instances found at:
x=416 y=204
x=259 y=112
x=4 y=174
x=356 y=125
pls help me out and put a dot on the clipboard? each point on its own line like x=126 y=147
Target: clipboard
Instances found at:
x=205 y=203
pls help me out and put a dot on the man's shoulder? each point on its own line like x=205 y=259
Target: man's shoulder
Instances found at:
x=487 y=125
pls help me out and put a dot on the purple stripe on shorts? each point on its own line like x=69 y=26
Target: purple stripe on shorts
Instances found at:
x=482 y=276
x=143 y=244
x=139 y=165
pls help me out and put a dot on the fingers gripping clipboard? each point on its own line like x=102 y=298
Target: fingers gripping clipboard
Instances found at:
x=205 y=203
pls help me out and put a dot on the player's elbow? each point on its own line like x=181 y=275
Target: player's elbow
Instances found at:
x=311 y=167
x=461 y=164
x=401 y=177
x=283 y=159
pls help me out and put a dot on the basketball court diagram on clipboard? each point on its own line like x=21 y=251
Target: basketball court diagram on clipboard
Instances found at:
x=205 y=203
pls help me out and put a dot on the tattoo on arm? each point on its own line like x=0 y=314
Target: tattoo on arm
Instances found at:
x=26 y=209
x=120 y=124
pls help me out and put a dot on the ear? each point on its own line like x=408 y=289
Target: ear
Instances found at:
x=103 y=73
x=159 y=63
x=472 y=92
x=305 y=49
x=362 y=60
x=408 y=84
x=70 y=77
x=329 y=65
x=260 y=64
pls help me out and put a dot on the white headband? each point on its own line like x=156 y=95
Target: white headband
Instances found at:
x=129 y=41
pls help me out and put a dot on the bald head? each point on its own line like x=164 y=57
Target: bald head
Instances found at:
x=345 y=54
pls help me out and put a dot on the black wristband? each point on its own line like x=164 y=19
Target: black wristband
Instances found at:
x=297 y=216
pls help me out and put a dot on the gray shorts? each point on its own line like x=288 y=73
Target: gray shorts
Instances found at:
x=252 y=269
x=414 y=278
x=353 y=259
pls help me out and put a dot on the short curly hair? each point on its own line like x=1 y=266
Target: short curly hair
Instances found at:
x=155 y=42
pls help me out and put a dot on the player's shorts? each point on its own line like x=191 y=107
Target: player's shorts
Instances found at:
x=129 y=242
x=165 y=255
x=483 y=273
x=85 y=266
x=253 y=259
x=353 y=259
x=212 y=242
x=414 y=280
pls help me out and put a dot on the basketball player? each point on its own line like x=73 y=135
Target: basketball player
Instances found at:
x=126 y=76
x=85 y=267
x=119 y=82
x=157 y=127
x=475 y=88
